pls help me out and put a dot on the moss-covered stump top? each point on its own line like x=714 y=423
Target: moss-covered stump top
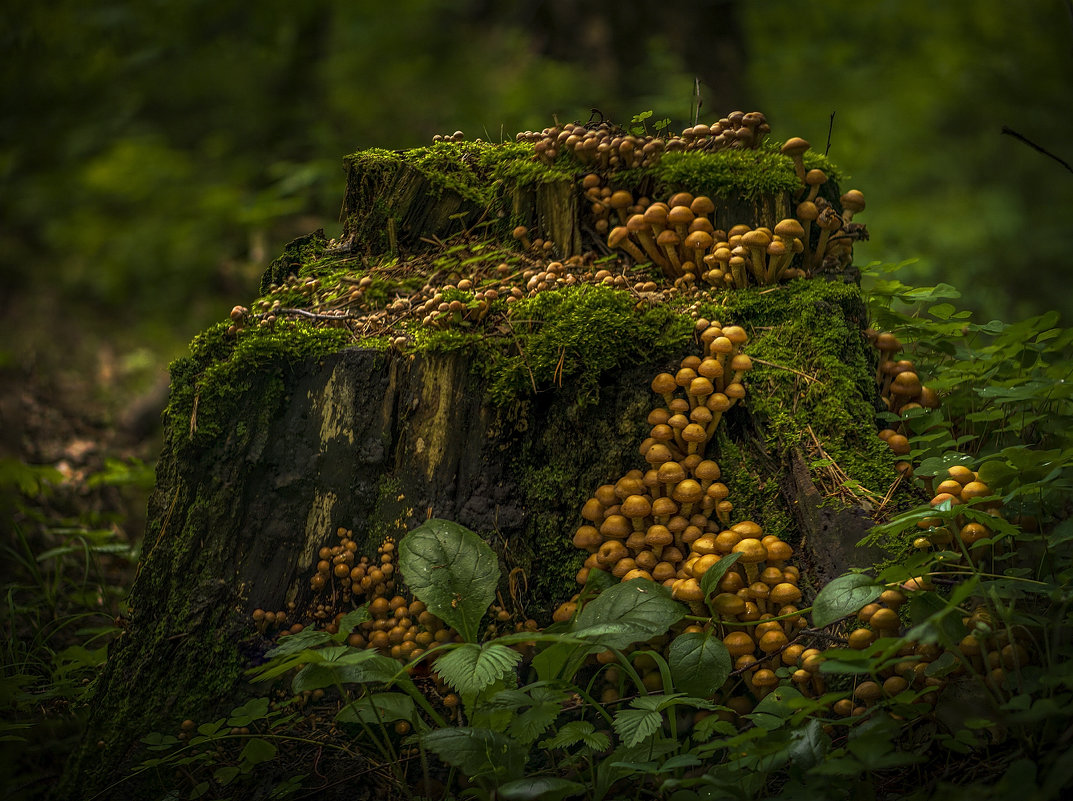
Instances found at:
x=411 y=199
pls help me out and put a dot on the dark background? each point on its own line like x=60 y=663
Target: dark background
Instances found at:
x=154 y=156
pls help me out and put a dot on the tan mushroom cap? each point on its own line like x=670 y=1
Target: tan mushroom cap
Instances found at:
x=636 y=506
x=739 y=644
x=587 y=538
x=687 y=589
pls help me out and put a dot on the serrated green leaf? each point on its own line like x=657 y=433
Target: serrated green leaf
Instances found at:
x=350 y=621
x=641 y=607
x=634 y=726
x=699 y=663
x=471 y=668
x=452 y=571
x=843 y=596
x=527 y=726
x=577 y=731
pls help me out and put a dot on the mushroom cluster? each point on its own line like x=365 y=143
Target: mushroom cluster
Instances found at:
x=679 y=236
x=901 y=391
x=646 y=522
x=673 y=522
x=605 y=146
x=962 y=487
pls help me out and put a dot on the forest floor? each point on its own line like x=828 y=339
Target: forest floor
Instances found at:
x=79 y=435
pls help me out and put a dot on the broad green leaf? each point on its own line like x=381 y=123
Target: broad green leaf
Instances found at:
x=471 y=668
x=843 y=596
x=378 y=708
x=452 y=571
x=808 y=744
x=560 y=660
x=225 y=775
x=257 y=751
x=715 y=573
x=699 y=663
x=642 y=607
x=680 y=761
x=774 y=708
x=545 y=788
x=478 y=752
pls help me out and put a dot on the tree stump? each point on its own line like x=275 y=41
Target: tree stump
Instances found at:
x=279 y=435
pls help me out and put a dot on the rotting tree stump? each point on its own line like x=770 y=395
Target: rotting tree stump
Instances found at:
x=276 y=439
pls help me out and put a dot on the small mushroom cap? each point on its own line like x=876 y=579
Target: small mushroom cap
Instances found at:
x=587 y=538
x=616 y=527
x=794 y=146
x=806 y=210
x=751 y=550
x=738 y=643
x=784 y=593
x=671 y=473
x=687 y=589
x=853 y=201
x=688 y=490
x=702 y=204
x=668 y=238
x=789 y=228
x=664 y=507
x=664 y=383
x=707 y=470
x=658 y=536
x=636 y=506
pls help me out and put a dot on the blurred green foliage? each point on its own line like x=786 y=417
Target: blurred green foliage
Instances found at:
x=155 y=156
x=920 y=92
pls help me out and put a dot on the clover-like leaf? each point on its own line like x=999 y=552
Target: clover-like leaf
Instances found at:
x=257 y=751
x=452 y=571
x=843 y=596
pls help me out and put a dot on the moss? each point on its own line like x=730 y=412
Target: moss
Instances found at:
x=561 y=337
x=296 y=254
x=209 y=385
x=812 y=380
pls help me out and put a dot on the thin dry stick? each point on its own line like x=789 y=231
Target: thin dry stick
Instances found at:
x=789 y=369
x=834 y=467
